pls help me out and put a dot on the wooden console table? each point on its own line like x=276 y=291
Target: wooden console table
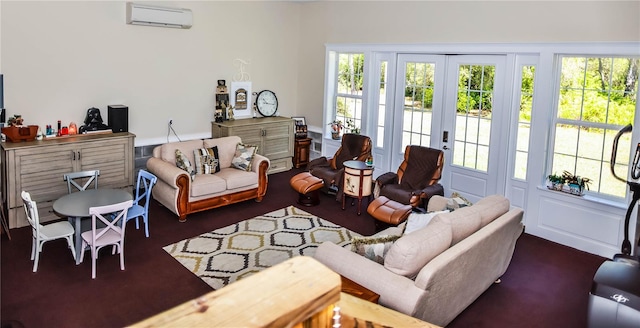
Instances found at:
x=273 y=135
x=38 y=166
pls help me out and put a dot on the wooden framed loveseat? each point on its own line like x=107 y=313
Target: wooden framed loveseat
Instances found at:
x=184 y=193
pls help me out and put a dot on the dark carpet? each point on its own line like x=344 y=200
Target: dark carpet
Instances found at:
x=546 y=285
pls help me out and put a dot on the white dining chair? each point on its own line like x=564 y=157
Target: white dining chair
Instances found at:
x=75 y=179
x=146 y=181
x=44 y=233
x=113 y=217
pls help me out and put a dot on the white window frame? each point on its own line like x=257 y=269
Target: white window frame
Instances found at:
x=557 y=70
x=521 y=62
x=331 y=87
x=544 y=98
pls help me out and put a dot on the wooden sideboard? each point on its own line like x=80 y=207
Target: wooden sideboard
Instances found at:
x=38 y=166
x=273 y=135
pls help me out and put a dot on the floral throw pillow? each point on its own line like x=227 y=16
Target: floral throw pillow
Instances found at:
x=183 y=162
x=207 y=161
x=243 y=156
x=373 y=248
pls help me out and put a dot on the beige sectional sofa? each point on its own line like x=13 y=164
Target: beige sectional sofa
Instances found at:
x=435 y=272
x=177 y=192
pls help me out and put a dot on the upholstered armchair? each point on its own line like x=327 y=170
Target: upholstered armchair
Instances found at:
x=417 y=178
x=330 y=170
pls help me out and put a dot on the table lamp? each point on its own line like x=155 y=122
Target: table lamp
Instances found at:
x=73 y=128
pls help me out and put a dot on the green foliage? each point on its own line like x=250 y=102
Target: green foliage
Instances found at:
x=555 y=178
x=475 y=85
x=528 y=73
x=419 y=79
x=598 y=89
x=341 y=107
x=427 y=98
x=526 y=92
x=350 y=68
x=351 y=127
x=525 y=108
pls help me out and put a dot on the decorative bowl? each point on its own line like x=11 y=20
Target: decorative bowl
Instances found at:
x=23 y=133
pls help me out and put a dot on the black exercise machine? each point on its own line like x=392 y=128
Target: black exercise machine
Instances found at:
x=614 y=300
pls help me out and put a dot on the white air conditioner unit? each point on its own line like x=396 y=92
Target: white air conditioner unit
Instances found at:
x=138 y=14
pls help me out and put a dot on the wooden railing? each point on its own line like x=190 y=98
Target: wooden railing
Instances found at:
x=300 y=292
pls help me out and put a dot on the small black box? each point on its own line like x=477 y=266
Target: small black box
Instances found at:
x=118 y=118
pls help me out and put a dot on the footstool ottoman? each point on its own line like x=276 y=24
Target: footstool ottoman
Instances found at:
x=307 y=187
x=388 y=212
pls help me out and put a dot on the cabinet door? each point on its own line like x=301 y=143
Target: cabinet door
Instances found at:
x=40 y=172
x=278 y=142
x=112 y=158
x=249 y=134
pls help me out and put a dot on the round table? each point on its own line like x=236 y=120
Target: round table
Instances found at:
x=76 y=207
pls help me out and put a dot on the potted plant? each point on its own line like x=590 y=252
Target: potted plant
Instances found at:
x=351 y=127
x=576 y=183
x=557 y=181
x=336 y=128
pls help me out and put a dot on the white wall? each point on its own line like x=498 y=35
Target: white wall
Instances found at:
x=61 y=58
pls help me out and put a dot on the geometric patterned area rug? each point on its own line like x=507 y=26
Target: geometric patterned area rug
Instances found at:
x=225 y=255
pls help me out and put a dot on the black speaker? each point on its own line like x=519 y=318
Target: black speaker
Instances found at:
x=118 y=119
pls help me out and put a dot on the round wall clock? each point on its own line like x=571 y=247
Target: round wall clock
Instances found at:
x=267 y=103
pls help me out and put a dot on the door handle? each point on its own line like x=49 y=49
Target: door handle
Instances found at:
x=445 y=147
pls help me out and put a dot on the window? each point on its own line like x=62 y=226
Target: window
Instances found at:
x=596 y=97
x=418 y=103
x=382 y=103
x=524 y=121
x=474 y=115
x=347 y=100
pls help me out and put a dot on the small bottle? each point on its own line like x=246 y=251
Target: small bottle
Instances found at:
x=59 y=127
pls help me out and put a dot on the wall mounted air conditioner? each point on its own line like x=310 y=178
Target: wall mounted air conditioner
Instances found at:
x=138 y=14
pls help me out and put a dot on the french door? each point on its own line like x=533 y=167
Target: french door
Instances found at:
x=418 y=103
x=475 y=125
x=454 y=103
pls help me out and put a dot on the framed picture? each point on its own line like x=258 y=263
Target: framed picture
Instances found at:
x=240 y=99
x=299 y=120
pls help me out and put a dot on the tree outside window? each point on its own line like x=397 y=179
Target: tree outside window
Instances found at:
x=348 y=96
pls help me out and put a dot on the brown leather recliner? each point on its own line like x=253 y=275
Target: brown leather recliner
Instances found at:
x=417 y=177
x=330 y=170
